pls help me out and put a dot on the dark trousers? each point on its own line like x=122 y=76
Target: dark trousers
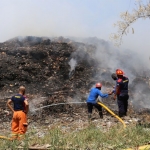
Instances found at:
x=122 y=105
x=90 y=107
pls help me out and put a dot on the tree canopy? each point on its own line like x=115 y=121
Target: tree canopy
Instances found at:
x=141 y=11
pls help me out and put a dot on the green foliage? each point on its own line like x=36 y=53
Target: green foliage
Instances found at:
x=127 y=19
x=91 y=137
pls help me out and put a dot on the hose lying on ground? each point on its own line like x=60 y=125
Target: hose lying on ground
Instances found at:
x=144 y=147
x=4 y=137
x=112 y=113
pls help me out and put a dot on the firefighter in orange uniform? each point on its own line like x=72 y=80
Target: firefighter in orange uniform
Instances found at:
x=20 y=109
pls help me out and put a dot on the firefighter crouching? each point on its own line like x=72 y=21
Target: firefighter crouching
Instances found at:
x=20 y=110
x=121 y=92
x=91 y=100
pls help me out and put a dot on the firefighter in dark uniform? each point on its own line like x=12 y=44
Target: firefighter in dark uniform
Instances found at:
x=121 y=92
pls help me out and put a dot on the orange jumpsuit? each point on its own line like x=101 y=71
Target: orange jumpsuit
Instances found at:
x=19 y=120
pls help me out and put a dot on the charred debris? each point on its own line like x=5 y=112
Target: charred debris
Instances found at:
x=58 y=70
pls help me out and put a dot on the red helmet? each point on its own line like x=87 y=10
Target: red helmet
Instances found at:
x=119 y=72
x=98 y=85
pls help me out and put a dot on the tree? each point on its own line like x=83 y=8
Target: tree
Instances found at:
x=142 y=11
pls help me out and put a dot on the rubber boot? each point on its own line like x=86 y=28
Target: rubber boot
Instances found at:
x=125 y=113
x=101 y=114
x=121 y=115
x=89 y=118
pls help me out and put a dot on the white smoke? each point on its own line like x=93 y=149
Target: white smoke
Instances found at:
x=133 y=64
x=72 y=64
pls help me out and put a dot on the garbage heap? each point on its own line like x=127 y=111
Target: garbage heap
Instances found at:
x=56 y=70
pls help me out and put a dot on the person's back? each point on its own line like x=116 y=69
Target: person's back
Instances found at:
x=91 y=100
x=93 y=95
x=18 y=101
x=123 y=85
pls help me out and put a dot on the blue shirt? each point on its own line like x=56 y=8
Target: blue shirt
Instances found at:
x=94 y=93
x=18 y=101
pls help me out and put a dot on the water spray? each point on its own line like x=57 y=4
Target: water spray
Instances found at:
x=58 y=104
x=101 y=104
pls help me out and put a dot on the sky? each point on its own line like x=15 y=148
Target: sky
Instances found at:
x=76 y=18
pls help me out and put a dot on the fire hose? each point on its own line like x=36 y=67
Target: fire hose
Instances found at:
x=112 y=113
x=5 y=138
x=144 y=147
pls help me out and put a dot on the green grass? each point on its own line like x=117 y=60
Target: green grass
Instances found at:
x=89 y=138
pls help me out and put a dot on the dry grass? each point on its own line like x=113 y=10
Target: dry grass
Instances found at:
x=89 y=137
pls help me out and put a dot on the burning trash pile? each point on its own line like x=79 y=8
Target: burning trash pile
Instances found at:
x=60 y=71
